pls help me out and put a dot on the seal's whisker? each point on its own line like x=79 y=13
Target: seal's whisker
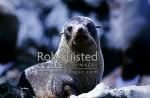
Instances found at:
x=61 y=33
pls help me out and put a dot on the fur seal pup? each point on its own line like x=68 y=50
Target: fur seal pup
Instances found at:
x=76 y=67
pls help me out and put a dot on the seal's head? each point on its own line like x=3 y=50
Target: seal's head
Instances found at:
x=80 y=32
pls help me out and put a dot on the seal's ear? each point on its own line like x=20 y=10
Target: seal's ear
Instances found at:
x=98 y=26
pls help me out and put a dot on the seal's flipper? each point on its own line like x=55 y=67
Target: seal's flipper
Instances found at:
x=25 y=86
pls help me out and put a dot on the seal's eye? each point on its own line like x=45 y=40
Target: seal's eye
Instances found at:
x=92 y=29
x=68 y=32
x=69 y=29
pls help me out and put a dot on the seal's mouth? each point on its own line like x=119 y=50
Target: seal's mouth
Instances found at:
x=80 y=37
x=80 y=40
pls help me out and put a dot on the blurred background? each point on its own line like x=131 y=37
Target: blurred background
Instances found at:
x=29 y=26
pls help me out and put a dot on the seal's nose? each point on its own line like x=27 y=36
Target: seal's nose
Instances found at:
x=80 y=34
x=81 y=30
